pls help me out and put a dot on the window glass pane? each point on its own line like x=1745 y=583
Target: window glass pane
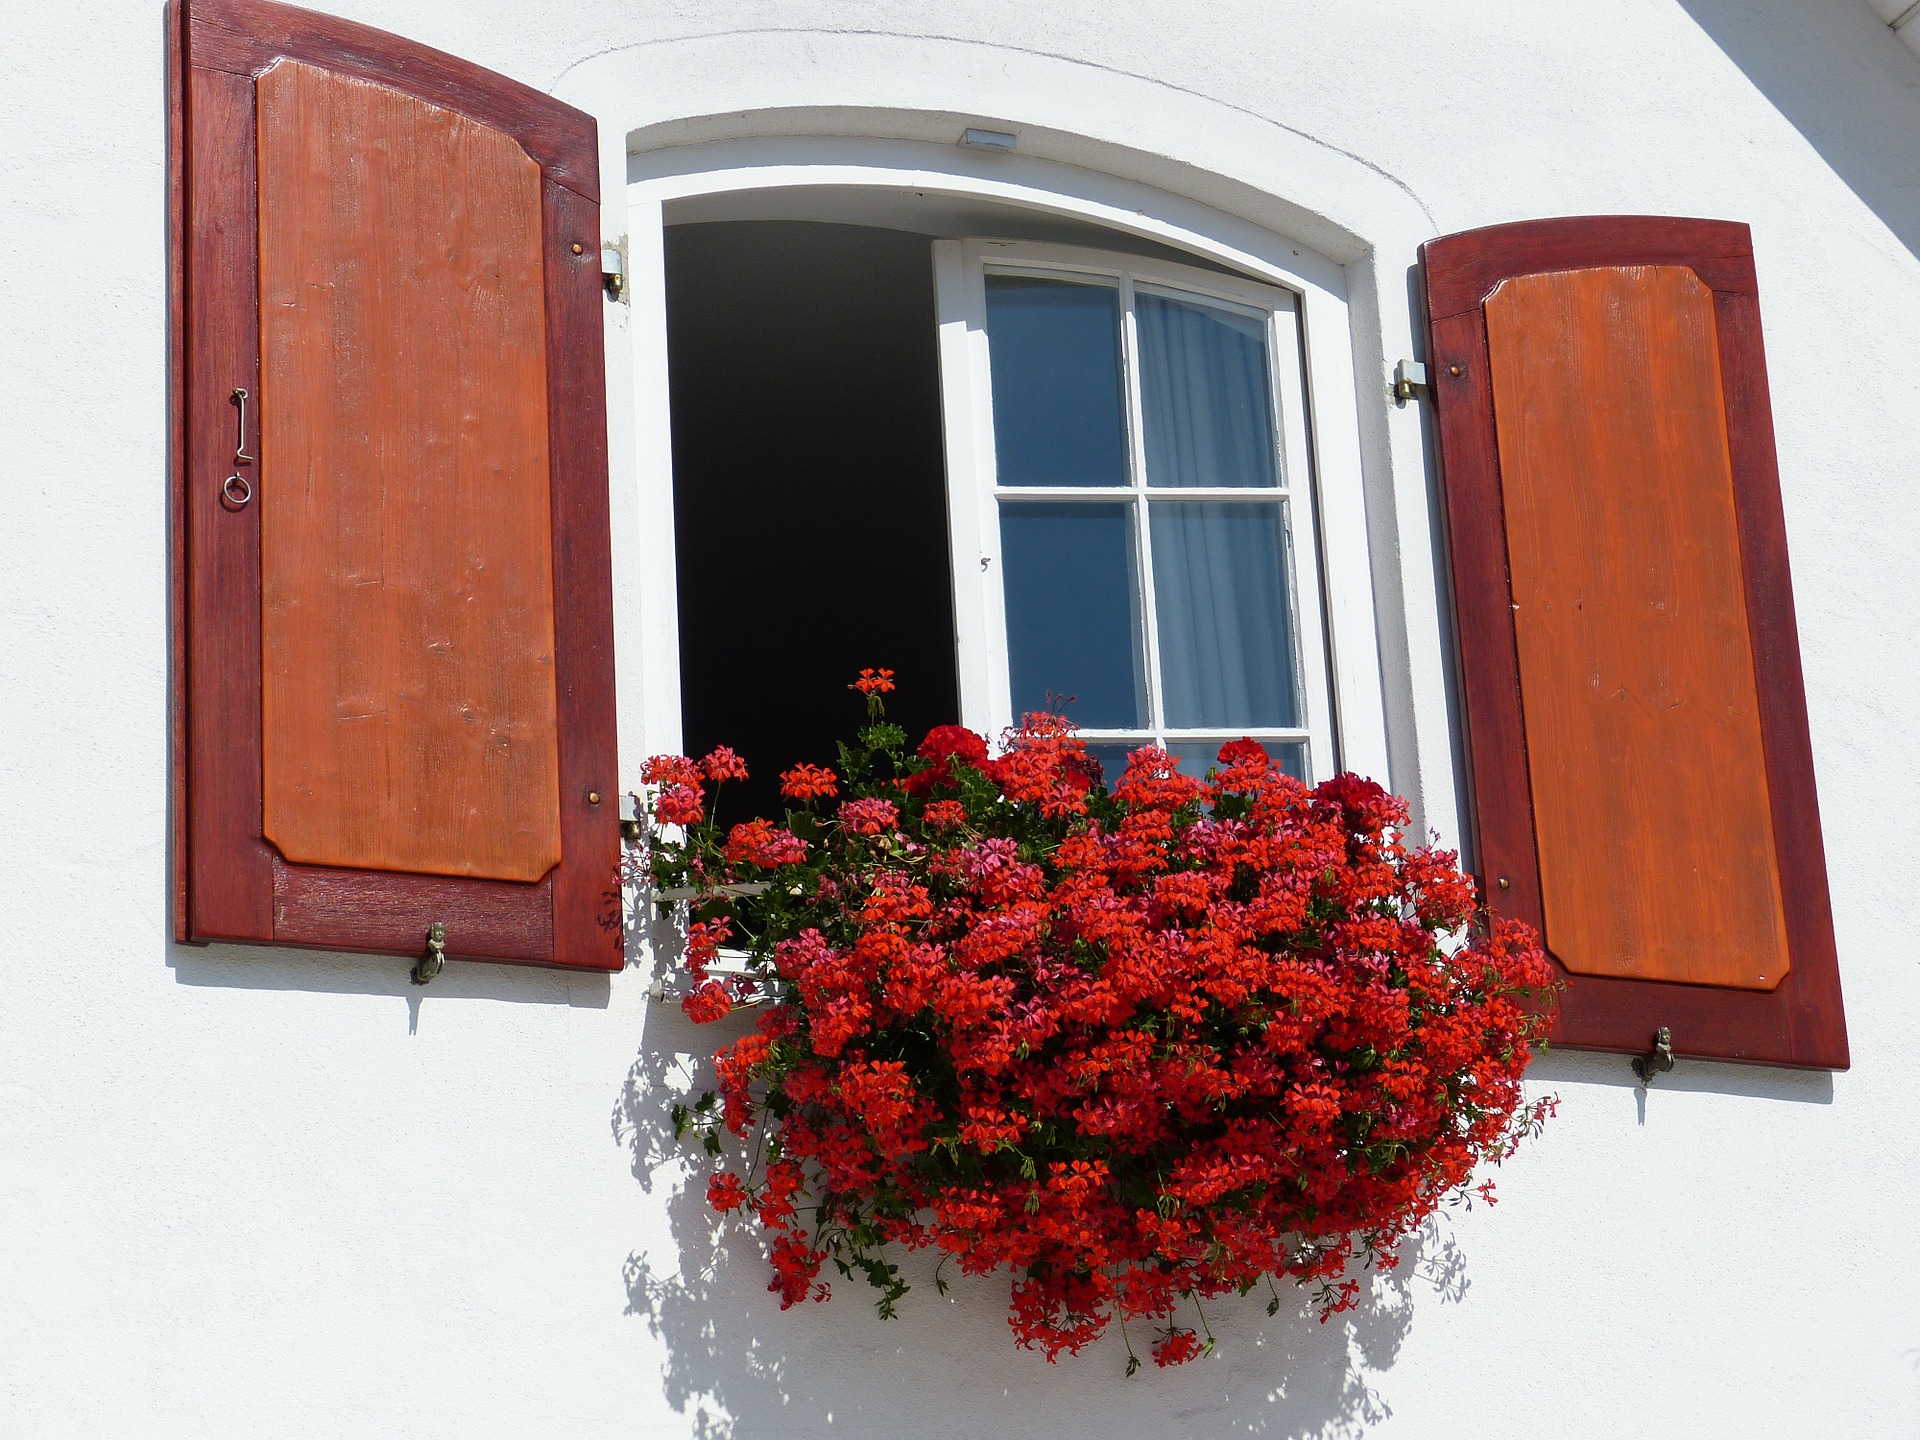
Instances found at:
x=1054 y=350
x=1221 y=595
x=1073 y=626
x=1206 y=407
x=1199 y=756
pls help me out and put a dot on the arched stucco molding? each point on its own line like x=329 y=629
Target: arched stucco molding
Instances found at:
x=1178 y=158
x=798 y=81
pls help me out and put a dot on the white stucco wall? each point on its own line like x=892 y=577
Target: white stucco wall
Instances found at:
x=246 y=1192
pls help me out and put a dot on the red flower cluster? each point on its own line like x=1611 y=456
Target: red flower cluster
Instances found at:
x=1135 y=1048
x=808 y=782
x=764 y=845
x=723 y=764
x=946 y=743
x=1176 y=1348
x=871 y=816
x=679 y=801
x=708 y=1001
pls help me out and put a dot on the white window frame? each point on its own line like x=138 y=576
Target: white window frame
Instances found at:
x=1336 y=381
x=974 y=492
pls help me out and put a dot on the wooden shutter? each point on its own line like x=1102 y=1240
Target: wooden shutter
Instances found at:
x=393 y=618
x=1641 y=774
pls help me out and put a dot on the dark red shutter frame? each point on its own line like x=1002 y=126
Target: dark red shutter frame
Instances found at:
x=230 y=883
x=1801 y=1021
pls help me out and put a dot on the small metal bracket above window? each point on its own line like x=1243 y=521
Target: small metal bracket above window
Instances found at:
x=1408 y=376
x=975 y=139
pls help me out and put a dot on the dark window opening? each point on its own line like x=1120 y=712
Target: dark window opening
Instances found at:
x=809 y=489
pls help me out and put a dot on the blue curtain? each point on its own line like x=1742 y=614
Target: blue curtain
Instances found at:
x=1206 y=404
x=1220 y=593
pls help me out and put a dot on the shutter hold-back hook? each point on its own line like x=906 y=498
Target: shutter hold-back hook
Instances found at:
x=1656 y=1061
x=240 y=455
x=429 y=964
x=235 y=491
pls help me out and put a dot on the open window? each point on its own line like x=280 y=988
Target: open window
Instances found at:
x=1024 y=474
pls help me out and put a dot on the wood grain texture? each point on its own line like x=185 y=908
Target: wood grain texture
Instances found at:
x=587 y=924
x=178 y=854
x=246 y=36
x=235 y=887
x=1471 y=265
x=406 y=549
x=1642 y=724
x=1813 y=1012
x=1802 y=1021
x=230 y=870
x=360 y=910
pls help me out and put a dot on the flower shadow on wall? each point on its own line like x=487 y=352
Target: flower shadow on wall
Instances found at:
x=740 y=1368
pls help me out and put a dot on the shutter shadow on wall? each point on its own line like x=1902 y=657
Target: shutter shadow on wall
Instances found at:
x=392 y=601
x=1642 y=778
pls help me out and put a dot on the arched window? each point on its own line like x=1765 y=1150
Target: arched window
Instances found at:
x=1030 y=458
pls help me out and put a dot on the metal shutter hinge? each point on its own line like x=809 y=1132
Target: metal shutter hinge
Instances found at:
x=613 y=268
x=1408 y=376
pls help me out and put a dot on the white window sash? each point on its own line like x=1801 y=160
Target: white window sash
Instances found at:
x=973 y=494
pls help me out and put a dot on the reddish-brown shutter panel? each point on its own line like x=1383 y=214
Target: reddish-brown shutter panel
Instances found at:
x=1642 y=778
x=393 y=658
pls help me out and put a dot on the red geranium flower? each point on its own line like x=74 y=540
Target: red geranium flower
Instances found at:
x=946 y=743
x=1176 y=1347
x=809 y=782
x=944 y=814
x=680 y=801
x=1369 y=807
x=725 y=1192
x=1236 y=752
x=723 y=764
x=708 y=1002
x=762 y=843
x=871 y=816
x=680 y=805
x=669 y=770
